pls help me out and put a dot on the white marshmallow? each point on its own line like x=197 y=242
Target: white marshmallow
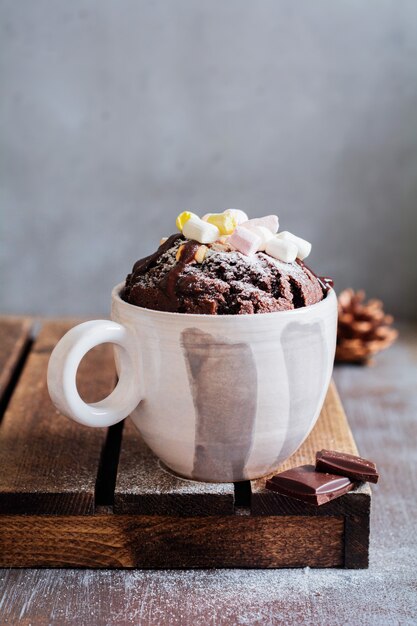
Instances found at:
x=263 y=233
x=200 y=231
x=239 y=215
x=304 y=247
x=280 y=249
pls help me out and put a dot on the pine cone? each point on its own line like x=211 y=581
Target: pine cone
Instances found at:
x=363 y=328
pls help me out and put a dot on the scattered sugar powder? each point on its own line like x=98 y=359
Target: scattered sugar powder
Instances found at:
x=215 y=597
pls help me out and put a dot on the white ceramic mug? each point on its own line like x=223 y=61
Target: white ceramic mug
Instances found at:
x=217 y=398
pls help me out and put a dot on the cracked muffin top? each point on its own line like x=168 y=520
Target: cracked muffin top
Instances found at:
x=187 y=276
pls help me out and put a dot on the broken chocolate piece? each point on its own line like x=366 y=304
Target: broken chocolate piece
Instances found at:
x=346 y=465
x=304 y=483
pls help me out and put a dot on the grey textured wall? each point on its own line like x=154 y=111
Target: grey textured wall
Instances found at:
x=114 y=116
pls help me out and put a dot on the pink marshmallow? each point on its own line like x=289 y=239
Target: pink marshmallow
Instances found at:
x=245 y=241
x=269 y=221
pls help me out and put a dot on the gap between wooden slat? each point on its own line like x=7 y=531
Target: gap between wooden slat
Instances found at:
x=28 y=341
x=107 y=468
x=243 y=495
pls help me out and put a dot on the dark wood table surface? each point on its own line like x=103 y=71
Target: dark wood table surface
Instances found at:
x=381 y=403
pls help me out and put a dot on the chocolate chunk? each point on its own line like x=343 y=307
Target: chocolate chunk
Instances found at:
x=346 y=465
x=304 y=483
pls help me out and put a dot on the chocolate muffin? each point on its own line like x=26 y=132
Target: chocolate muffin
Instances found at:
x=184 y=276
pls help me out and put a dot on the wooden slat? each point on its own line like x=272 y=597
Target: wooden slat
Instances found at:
x=161 y=542
x=331 y=431
x=48 y=464
x=14 y=337
x=144 y=487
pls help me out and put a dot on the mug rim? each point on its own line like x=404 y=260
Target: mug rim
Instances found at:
x=330 y=298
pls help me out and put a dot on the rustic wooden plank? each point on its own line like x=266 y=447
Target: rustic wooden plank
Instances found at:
x=14 y=338
x=144 y=487
x=332 y=432
x=48 y=464
x=354 y=507
x=158 y=542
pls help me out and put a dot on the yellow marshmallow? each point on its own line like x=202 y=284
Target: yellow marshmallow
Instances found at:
x=183 y=219
x=225 y=222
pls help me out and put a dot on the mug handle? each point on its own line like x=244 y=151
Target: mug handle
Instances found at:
x=63 y=366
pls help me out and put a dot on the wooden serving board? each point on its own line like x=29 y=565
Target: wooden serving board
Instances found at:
x=72 y=496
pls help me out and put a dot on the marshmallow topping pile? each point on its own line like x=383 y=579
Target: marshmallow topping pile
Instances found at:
x=248 y=236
